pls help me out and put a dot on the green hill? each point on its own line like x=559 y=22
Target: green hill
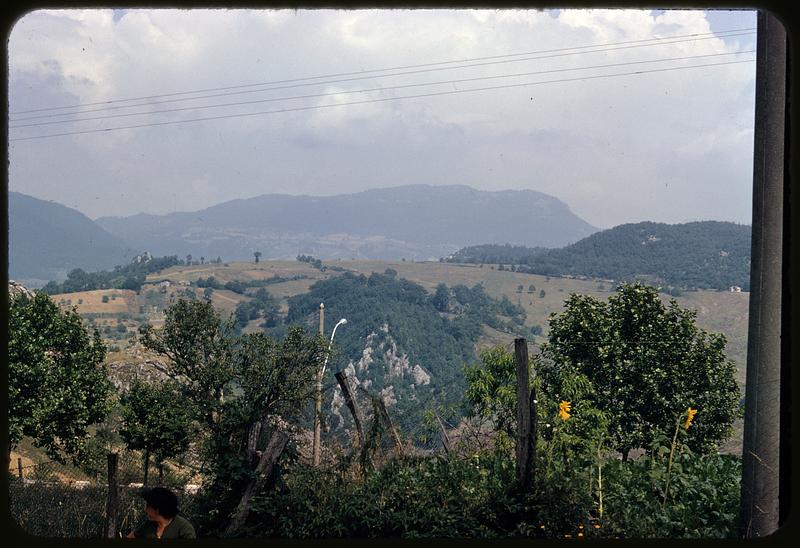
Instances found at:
x=698 y=255
x=401 y=340
x=46 y=240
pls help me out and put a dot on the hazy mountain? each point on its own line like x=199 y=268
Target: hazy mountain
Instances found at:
x=46 y=240
x=414 y=222
x=703 y=254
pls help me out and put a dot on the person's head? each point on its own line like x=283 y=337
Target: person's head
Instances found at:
x=161 y=501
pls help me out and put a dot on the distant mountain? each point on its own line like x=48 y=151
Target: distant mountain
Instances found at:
x=415 y=222
x=702 y=255
x=46 y=240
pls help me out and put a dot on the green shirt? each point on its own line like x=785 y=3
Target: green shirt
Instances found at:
x=179 y=527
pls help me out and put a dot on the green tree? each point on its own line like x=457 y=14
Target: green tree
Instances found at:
x=200 y=348
x=647 y=364
x=58 y=385
x=155 y=421
x=441 y=298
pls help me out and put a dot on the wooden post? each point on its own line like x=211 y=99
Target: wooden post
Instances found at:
x=341 y=377
x=270 y=456
x=19 y=467
x=387 y=422
x=524 y=445
x=445 y=437
x=112 y=506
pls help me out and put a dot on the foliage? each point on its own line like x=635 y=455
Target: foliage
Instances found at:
x=155 y=421
x=646 y=363
x=491 y=390
x=703 y=503
x=62 y=511
x=494 y=254
x=702 y=255
x=409 y=497
x=263 y=304
x=130 y=276
x=57 y=384
x=401 y=315
x=231 y=383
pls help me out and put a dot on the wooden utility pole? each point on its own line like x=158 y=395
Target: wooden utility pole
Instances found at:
x=277 y=443
x=112 y=506
x=352 y=405
x=19 y=467
x=525 y=411
x=765 y=466
x=318 y=399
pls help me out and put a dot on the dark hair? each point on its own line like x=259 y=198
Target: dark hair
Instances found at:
x=163 y=500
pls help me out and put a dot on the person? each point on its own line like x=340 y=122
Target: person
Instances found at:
x=163 y=521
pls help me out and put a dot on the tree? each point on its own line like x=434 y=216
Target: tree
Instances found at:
x=189 y=259
x=647 y=363
x=58 y=385
x=200 y=347
x=155 y=421
x=441 y=298
x=257 y=255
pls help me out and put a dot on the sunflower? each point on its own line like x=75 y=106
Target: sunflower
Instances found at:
x=690 y=413
x=564 y=409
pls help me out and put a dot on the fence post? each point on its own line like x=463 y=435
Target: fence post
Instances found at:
x=524 y=412
x=112 y=506
x=269 y=458
x=19 y=467
x=387 y=422
x=341 y=378
x=445 y=437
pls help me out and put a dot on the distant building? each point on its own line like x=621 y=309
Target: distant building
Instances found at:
x=735 y=289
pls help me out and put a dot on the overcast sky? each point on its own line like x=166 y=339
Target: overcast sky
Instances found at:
x=670 y=146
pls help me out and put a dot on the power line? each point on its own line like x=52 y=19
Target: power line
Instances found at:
x=369 y=90
x=361 y=74
x=384 y=99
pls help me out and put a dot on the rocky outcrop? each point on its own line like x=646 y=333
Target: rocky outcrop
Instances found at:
x=16 y=288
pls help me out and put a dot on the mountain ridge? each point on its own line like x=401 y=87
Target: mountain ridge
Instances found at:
x=413 y=221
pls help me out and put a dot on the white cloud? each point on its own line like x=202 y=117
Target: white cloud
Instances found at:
x=589 y=142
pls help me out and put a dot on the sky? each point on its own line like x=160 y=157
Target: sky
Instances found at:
x=648 y=144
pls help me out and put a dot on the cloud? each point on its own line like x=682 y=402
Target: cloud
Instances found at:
x=664 y=146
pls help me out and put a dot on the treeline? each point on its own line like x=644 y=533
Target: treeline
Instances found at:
x=698 y=255
x=130 y=276
x=241 y=287
x=494 y=254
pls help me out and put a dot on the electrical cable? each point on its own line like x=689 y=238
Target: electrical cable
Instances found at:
x=316 y=107
x=360 y=77
x=369 y=90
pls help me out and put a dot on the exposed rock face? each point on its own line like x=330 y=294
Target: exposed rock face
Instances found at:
x=380 y=349
x=16 y=288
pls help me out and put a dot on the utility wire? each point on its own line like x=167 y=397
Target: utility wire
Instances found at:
x=403 y=86
x=361 y=74
x=384 y=99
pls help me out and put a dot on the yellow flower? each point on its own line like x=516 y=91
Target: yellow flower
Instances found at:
x=564 y=409
x=690 y=413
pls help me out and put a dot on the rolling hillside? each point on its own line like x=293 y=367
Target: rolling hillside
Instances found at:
x=46 y=240
x=702 y=255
